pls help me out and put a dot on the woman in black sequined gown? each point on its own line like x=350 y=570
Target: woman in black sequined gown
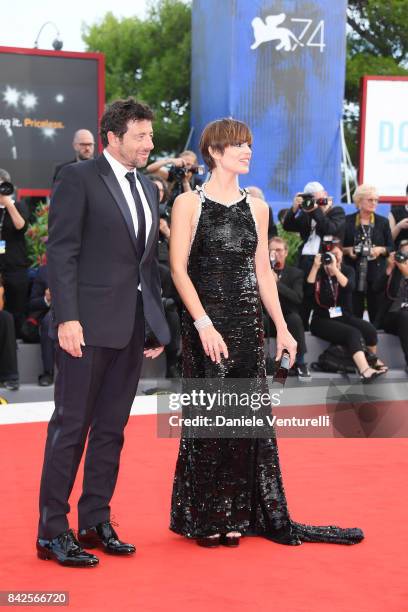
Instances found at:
x=220 y=266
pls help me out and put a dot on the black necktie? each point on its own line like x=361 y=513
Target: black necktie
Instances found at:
x=141 y=220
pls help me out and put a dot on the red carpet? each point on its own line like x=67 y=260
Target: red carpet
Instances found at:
x=348 y=482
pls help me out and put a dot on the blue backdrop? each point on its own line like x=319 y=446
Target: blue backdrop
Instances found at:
x=288 y=87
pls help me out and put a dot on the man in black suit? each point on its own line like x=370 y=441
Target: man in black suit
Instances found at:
x=84 y=147
x=289 y=282
x=104 y=280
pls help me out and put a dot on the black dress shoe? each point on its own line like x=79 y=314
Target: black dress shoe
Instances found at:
x=66 y=550
x=105 y=537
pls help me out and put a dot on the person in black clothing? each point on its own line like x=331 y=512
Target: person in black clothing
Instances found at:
x=331 y=287
x=39 y=304
x=289 y=281
x=13 y=254
x=84 y=147
x=8 y=353
x=393 y=313
x=365 y=227
x=313 y=225
x=398 y=218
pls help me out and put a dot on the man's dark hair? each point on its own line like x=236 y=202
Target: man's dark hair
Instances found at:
x=117 y=115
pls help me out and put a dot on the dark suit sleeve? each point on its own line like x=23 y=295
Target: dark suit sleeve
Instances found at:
x=331 y=223
x=66 y=219
x=292 y=222
x=294 y=293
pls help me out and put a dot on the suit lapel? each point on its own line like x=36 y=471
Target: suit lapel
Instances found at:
x=110 y=180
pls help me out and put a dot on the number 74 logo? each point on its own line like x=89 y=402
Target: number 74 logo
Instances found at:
x=270 y=29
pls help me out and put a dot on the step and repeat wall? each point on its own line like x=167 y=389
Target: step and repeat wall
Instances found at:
x=280 y=67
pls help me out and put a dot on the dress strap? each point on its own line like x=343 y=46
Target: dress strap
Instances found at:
x=200 y=192
x=251 y=208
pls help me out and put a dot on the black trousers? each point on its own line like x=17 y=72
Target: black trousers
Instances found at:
x=8 y=352
x=347 y=331
x=397 y=323
x=47 y=345
x=93 y=395
x=16 y=295
x=359 y=298
x=295 y=327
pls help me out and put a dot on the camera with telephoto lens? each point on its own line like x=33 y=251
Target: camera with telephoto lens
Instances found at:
x=6 y=188
x=309 y=201
x=362 y=248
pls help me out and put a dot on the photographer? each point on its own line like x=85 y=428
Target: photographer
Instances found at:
x=39 y=307
x=398 y=218
x=170 y=297
x=164 y=212
x=331 y=284
x=393 y=313
x=8 y=352
x=367 y=243
x=13 y=253
x=182 y=173
x=289 y=282
x=313 y=216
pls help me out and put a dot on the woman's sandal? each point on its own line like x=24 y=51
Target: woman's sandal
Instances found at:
x=230 y=540
x=369 y=379
x=380 y=367
x=210 y=541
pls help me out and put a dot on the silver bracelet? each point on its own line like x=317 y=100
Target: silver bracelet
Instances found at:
x=204 y=321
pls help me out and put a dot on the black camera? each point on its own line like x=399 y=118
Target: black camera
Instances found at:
x=363 y=247
x=178 y=173
x=6 y=188
x=273 y=262
x=401 y=257
x=328 y=258
x=309 y=201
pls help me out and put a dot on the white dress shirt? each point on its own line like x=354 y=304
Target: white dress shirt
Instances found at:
x=120 y=171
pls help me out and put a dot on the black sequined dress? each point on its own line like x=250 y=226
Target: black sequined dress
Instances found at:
x=223 y=485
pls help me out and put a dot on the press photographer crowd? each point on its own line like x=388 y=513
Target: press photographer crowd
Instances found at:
x=349 y=280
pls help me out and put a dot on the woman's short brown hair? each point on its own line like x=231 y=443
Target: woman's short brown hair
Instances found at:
x=220 y=134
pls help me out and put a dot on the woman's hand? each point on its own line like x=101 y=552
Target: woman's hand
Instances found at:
x=153 y=353
x=317 y=261
x=297 y=201
x=376 y=251
x=332 y=267
x=349 y=251
x=213 y=343
x=284 y=340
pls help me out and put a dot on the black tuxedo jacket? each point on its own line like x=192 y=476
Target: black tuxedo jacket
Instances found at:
x=93 y=269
